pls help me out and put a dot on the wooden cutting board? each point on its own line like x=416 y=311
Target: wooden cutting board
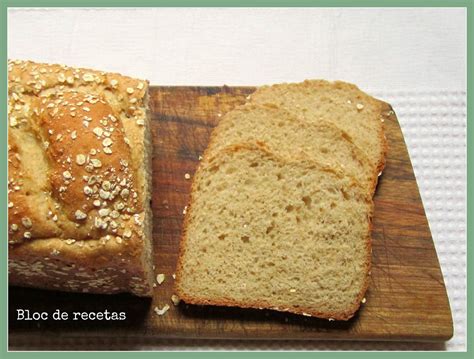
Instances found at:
x=406 y=299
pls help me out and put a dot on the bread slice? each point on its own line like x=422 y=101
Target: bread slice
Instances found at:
x=266 y=232
x=341 y=103
x=289 y=136
x=79 y=188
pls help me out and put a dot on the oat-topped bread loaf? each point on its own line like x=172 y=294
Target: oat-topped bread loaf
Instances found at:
x=289 y=136
x=269 y=232
x=341 y=103
x=79 y=180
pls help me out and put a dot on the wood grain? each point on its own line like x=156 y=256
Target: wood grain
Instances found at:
x=406 y=299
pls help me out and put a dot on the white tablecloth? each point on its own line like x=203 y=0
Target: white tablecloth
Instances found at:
x=415 y=59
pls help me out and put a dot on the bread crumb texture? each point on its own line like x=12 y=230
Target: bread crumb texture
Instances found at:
x=265 y=231
x=78 y=185
x=288 y=135
x=281 y=205
x=340 y=103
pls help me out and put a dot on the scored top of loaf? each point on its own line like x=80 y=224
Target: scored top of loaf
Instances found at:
x=75 y=144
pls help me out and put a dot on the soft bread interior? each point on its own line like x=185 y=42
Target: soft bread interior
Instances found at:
x=266 y=232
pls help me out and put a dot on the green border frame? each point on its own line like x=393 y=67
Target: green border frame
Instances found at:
x=5 y=4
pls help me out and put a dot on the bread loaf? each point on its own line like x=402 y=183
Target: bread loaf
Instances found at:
x=263 y=231
x=79 y=180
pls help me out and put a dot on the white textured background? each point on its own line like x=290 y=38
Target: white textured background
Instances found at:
x=414 y=59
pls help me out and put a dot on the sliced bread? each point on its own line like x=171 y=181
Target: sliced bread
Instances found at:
x=266 y=232
x=288 y=136
x=338 y=102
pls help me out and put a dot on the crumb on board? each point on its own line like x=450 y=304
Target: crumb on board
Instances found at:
x=161 y=311
x=175 y=299
x=160 y=278
x=187 y=176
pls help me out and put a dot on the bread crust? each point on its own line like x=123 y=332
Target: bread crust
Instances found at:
x=78 y=180
x=301 y=160
x=102 y=266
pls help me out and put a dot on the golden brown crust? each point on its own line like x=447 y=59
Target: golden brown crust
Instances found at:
x=302 y=161
x=77 y=181
x=95 y=266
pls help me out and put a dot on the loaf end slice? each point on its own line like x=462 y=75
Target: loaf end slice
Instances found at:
x=265 y=232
